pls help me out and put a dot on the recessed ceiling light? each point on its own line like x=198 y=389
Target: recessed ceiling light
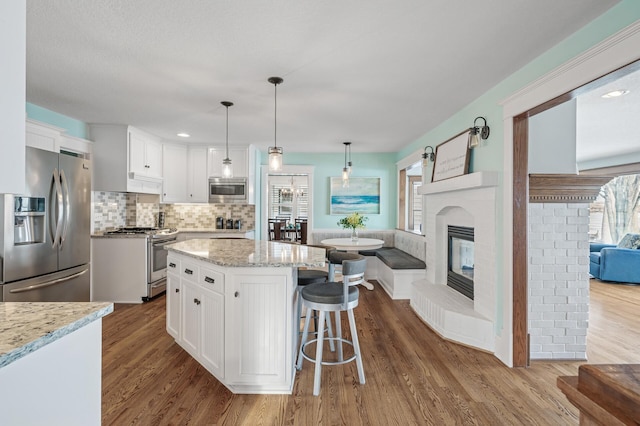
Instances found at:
x=615 y=94
x=184 y=135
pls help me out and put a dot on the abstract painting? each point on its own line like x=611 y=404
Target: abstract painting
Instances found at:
x=361 y=196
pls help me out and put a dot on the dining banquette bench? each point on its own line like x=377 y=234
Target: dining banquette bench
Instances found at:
x=396 y=265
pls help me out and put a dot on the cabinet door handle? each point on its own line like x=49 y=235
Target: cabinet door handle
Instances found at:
x=236 y=294
x=209 y=280
x=196 y=301
x=172 y=265
x=188 y=271
x=177 y=290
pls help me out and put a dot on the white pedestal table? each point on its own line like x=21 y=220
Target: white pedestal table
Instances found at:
x=354 y=246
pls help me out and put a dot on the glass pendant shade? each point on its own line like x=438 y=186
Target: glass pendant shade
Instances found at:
x=275 y=159
x=275 y=152
x=345 y=177
x=227 y=168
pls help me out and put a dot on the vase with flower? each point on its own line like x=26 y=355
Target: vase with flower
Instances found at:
x=353 y=222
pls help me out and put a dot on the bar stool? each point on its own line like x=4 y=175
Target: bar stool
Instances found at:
x=333 y=297
x=335 y=258
x=314 y=276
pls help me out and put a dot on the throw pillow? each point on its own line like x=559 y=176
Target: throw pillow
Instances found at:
x=631 y=241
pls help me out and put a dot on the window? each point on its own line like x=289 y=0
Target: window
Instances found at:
x=288 y=197
x=410 y=202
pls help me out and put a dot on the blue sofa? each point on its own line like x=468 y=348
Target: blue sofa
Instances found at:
x=610 y=262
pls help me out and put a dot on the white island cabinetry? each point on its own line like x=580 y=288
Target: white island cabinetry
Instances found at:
x=237 y=309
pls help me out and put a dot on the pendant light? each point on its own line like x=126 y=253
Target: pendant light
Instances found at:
x=275 y=152
x=346 y=170
x=227 y=167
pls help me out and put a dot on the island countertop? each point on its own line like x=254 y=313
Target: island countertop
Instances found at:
x=28 y=326
x=250 y=253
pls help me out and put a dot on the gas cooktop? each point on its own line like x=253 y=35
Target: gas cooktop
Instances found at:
x=143 y=230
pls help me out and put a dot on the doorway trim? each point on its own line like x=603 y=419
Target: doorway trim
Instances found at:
x=286 y=170
x=609 y=55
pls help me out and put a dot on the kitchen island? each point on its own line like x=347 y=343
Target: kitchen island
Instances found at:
x=51 y=362
x=232 y=305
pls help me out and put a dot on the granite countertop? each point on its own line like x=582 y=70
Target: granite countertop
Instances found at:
x=250 y=253
x=215 y=231
x=27 y=326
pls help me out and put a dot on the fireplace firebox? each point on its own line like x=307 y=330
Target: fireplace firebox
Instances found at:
x=461 y=263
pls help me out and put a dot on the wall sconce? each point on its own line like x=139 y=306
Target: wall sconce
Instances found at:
x=477 y=133
x=428 y=156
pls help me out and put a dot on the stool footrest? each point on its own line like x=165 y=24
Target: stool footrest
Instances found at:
x=339 y=339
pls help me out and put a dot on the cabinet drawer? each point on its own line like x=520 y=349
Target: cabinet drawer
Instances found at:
x=211 y=279
x=189 y=271
x=173 y=265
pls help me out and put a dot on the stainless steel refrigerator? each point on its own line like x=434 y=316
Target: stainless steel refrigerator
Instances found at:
x=45 y=235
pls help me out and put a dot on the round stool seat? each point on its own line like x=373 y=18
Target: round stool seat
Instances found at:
x=328 y=293
x=337 y=257
x=311 y=276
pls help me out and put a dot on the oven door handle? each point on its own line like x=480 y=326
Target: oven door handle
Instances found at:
x=163 y=243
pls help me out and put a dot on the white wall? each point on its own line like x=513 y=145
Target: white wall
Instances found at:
x=12 y=95
x=552 y=140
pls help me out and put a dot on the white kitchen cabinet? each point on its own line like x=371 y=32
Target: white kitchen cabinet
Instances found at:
x=202 y=315
x=174 y=173
x=51 y=138
x=198 y=179
x=190 y=325
x=174 y=304
x=237 y=322
x=145 y=154
x=239 y=160
x=111 y=162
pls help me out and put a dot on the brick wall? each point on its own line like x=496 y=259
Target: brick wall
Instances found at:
x=558 y=280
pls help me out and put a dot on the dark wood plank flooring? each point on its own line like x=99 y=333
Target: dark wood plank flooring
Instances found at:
x=413 y=376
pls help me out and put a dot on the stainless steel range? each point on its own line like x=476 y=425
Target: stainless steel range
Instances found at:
x=157 y=238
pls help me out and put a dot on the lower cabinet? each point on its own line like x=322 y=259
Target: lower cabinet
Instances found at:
x=237 y=322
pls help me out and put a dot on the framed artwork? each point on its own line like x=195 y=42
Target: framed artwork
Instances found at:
x=452 y=158
x=361 y=196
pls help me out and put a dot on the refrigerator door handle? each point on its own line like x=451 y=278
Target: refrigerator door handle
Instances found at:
x=48 y=283
x=64 y=197
x=55 y=208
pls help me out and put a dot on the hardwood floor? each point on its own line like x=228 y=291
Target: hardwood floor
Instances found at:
x=413 y=376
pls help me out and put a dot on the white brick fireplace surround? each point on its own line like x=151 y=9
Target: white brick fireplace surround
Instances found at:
x=470 y=201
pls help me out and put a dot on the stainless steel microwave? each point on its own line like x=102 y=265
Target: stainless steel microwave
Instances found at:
x=228 y=190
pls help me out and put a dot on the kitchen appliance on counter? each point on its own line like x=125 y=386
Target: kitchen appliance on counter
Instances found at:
x=220 y=222
x=228 y=190
x=156 y=256
x=45 y=232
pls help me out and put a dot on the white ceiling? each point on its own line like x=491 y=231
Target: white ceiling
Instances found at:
x=607 y=127
x=379 y=73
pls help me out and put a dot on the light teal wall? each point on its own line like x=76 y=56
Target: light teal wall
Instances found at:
x=489 y=156
x=380 y=165
x=71 y=125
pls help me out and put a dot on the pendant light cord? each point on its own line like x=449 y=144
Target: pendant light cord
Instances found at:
x=275 y=115
x=227 y=132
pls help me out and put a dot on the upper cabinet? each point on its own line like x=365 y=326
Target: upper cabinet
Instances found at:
x=174 y=164
x=197 y=178
x=126 y=159
x=51 y=138
x=239 y=160
x=12 y=101
x=145 y=154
